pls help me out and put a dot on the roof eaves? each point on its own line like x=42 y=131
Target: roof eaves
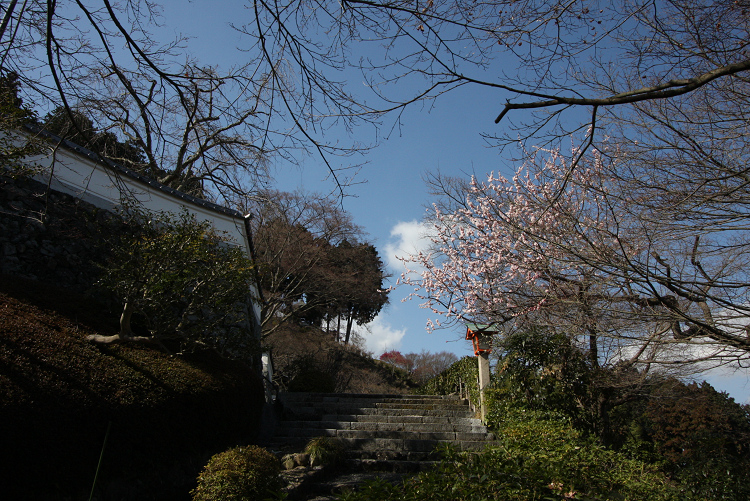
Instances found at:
x=121 y=169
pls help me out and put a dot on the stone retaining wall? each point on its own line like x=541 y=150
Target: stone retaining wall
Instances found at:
x=50 y=236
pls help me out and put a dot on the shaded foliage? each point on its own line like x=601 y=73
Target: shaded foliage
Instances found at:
x=185 y=279
x=538 y=456
x=462 y=376
x=58 y=393
x=704 y=437
x=77 y=128
x=312 y=267
x=358 y=292
x=311 y=374
x=14 y=115
x=298 y=348
x=696 y=436
x=327 y=451
x=543 y=371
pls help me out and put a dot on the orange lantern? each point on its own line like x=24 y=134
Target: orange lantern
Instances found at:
x=481 y=337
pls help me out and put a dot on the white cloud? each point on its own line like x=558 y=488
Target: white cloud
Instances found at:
x=380 y=336
x=411 y=238
x=713 y=363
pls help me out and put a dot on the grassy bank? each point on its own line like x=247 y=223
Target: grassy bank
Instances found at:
x=59 y=395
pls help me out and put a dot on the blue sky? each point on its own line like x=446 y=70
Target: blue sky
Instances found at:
x=391 y=199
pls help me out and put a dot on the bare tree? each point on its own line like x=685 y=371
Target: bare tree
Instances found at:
x=293 y=234
x=207 y=130
x=544 y=56
x=546 y=59
x=207 y=139
x=428 y=365
x=663 y=82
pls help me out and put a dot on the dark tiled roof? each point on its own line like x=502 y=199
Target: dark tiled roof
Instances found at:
x=124 y=171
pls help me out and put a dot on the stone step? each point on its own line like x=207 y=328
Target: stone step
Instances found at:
x=388 y=455
x=411 y=444
x=367 y=434
x=374 y=426
x=322 y=400
x=408 y=419
x=379 y=397
x=311 y=412
x=383 y=432
x=395 y=466
x=450 y=406
x=366 y=402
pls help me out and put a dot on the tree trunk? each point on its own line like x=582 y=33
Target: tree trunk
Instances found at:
x=125 y=334
x=349 y=322
x=603 y=406
x=127 y=313
x=593 y=351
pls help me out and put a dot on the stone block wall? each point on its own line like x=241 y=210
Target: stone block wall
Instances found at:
x=50 y=236
x=53 y=237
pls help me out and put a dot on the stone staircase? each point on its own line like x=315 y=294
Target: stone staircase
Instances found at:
x=382 y=432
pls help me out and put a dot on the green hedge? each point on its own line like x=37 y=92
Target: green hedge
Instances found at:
x=465 y=371
x=240 y=474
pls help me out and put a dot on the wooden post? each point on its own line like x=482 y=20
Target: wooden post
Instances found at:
x=483 y=359
x=481 y=338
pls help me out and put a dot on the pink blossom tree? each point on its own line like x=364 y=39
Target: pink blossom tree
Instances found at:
x=647 y=279
x=584 y=250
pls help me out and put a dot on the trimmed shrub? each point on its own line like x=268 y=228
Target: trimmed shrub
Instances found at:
x=186 y=280
x=240 y=474
x=166 y=412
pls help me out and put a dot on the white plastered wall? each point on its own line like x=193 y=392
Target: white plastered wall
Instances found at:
x=76 y=173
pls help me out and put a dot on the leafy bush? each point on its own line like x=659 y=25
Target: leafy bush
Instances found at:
x=540 y=456
x=464 y=372
x=543 y=370
x=704 y=437
x=326 y=451
x=239 y=474
x=185 y=279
